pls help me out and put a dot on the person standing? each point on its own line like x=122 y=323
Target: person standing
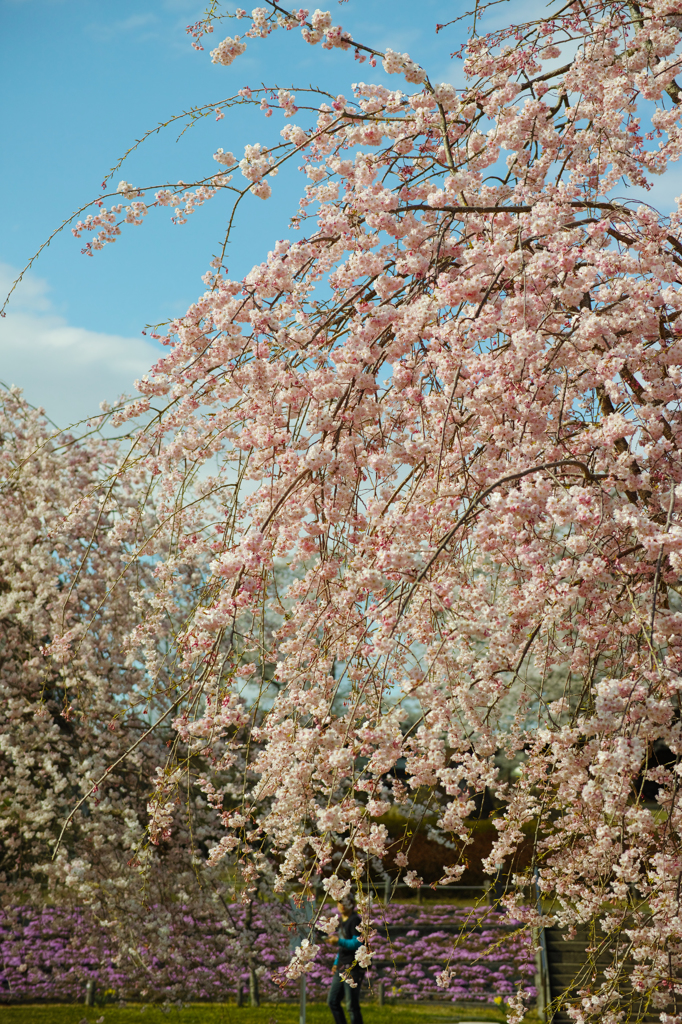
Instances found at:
x=348 y=941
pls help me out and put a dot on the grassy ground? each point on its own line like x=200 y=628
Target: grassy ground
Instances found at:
x=225 y=1013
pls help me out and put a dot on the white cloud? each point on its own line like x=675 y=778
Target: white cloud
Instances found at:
x=67 y=370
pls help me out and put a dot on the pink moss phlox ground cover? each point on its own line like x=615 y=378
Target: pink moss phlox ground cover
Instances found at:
x=50 y=954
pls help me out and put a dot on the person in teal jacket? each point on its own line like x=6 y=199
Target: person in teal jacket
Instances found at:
x=348 y=941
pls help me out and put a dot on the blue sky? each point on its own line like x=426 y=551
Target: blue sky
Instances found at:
x=87 y=78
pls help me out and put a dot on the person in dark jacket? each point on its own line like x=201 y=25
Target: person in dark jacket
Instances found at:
x=349 y=941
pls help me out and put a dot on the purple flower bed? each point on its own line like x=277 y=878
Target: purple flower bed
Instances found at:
x=484 y=956
x=50 y=954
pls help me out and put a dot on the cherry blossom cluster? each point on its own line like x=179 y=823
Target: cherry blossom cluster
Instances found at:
x=107 y=227
x=254 y=165
x=400 y=63
x=226 y=51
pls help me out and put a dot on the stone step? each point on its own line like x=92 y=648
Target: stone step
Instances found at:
x=571 y=967
x=557 y=943
x=574 y=956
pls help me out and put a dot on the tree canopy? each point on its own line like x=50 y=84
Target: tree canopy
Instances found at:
x=423 y=463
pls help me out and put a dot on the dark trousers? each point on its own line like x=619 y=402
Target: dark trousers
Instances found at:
x=339 y=989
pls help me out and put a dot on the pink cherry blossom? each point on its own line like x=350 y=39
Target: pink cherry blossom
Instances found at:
x=423 y=463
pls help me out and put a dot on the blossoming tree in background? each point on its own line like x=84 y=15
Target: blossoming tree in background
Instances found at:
x=82 y=733
x=449 y=408
x=69 y=691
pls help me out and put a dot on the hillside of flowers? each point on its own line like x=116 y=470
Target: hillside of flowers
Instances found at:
x=50 y=954
x=488 y=956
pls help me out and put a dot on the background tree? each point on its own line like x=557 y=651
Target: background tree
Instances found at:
x=83 y=731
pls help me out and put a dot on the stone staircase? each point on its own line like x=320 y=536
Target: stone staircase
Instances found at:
x=565 y=966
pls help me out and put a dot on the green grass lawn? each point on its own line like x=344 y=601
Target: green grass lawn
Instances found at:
x=270 y=1013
